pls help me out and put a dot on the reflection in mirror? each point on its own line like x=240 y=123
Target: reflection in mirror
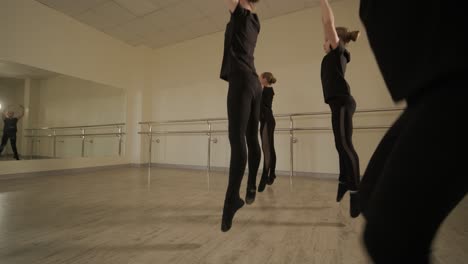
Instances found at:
x=12 y=111
x=49 y=115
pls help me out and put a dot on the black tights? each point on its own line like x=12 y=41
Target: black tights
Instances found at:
x=415 y=178
x=12 y=139
x=267 y=132
x=243 y=104
x=343 y=109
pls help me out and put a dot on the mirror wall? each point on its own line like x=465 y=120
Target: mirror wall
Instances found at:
x=50 y=115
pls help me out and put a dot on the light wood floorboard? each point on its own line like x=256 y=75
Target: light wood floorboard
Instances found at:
x=131 y=216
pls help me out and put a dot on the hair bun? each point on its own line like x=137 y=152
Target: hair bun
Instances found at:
x=354 y=35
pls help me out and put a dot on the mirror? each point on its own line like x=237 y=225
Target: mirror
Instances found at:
x=49 y=115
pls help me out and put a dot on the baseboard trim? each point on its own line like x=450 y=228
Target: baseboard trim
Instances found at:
x=316 y=175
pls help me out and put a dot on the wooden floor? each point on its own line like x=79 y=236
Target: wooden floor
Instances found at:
x=171 y=216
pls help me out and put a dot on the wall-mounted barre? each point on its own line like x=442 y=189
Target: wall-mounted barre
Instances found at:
x=78 y=135
x=222 y=119
x=33 y=133
x=210 y=132
x=117 y=125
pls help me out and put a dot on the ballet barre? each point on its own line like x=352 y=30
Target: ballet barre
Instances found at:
x=51 y=132
x=77 y=127
x=209 y=132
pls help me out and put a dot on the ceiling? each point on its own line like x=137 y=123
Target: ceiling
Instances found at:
x=20 y=71
x=159 y=23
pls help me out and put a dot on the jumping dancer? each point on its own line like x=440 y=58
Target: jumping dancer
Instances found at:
x=243 y=103
x=267 y=131
x=338 y=96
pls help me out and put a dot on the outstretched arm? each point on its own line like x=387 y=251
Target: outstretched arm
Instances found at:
x=22 y=114
x=232 y=4
x=328 y=22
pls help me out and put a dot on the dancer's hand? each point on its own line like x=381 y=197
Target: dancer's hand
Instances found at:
x=328 y=23
x=232 y=4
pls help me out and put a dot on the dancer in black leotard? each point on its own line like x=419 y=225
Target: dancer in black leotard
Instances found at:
x=243 y=104
x=417 y=174
x=338 y=95
x=10 y=129
x=267 y=131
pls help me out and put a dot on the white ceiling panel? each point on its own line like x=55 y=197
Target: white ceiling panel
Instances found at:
x=159 y=20
x=125 y=35
x=138 y=7
x=94 y=20
x=139 y=27
x=157 y=23
x=182 y=13
x=210 y=7
x=165 y=3
x=115 y=14
x=72 y=7
x=106 y=15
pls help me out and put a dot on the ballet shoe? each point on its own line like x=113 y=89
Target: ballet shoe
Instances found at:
x=271 y=179
x=354 y=208
x=342 y=189
x=263 y=183
x=229 y=211
x=250 y=195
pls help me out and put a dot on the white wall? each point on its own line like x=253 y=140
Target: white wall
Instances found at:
x=33 y=102
x=32 y=34
x=68 y=101
x=186 y=85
